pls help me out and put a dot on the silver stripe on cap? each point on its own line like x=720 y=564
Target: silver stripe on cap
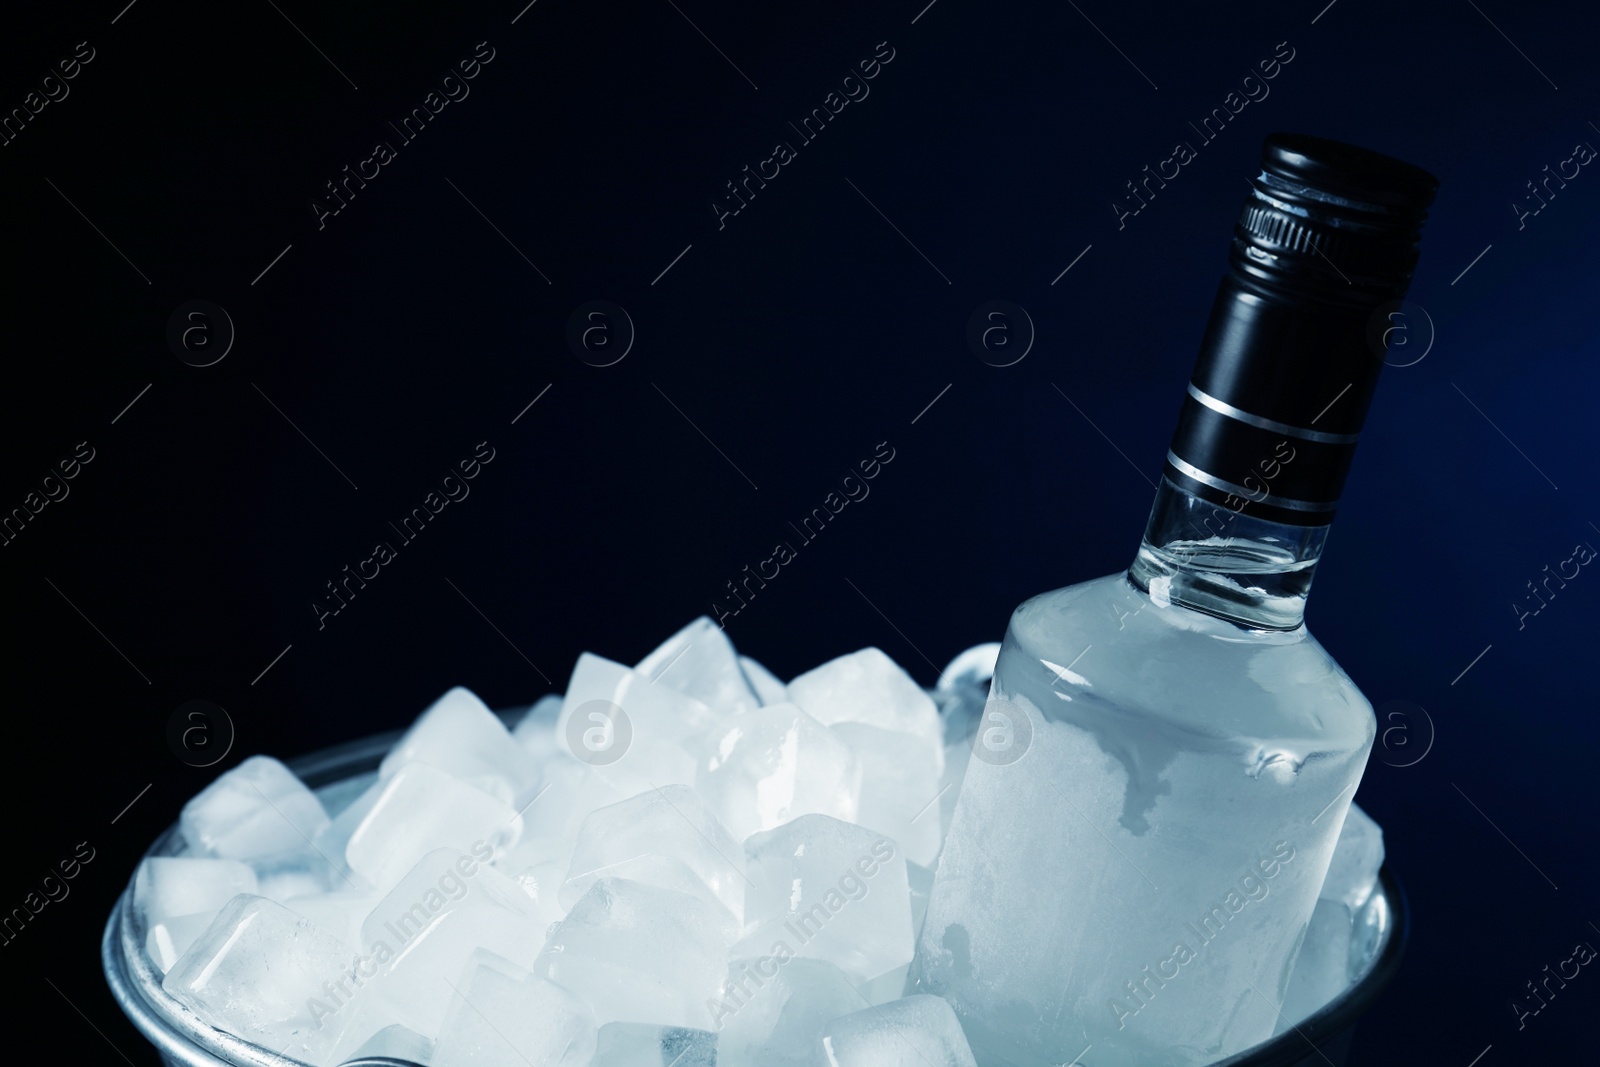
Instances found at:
x=1245 y=494
x=1240 y=415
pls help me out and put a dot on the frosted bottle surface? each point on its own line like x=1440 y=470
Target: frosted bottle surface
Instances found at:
x=1138 y=879
x=1166 y=756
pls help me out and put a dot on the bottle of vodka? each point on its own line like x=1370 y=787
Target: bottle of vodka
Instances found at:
x=1167 y=755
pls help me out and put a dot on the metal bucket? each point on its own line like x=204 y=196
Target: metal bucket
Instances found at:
x=343 y=771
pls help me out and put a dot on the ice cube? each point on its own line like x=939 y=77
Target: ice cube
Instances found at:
x=528 y=852
x=764 y=682
x=829 y=890
x=340 y=912
x=337 y=796
x=536 y=731
x=262 y=972
x=1322 y=969
x=1357 y=856
x=917 y=1031
x=257 y=809
x=333 y=839
x=899 y=786
x=483 y=957
x=542 y=883
x=649 y=764
x=973 y=668
x=421 y=809
x=772 y=1011
x=774 y=764
x=920 y=879
x=671 y=823
x=867 y=686
x=364 y=1017
x=539 y=866
x=421 y=934
x=647 y=1045
x=164 y=886
x=397 y=1043
x=891 y=985
x=167 y=939
x=655 y=711
x=639 y=953
x=962 y=693
x=547 y=817
x=459 y=735
x=300 y=873
x=496 y=1020
x=962 y=690
x=699 y=661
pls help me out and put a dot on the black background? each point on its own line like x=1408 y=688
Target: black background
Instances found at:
x=776 y=352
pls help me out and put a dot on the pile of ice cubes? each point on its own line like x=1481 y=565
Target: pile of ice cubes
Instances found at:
x=683 y=863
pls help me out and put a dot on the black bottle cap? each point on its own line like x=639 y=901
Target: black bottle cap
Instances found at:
x=1324 y=248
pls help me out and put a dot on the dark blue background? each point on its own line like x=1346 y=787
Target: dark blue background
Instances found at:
x=796 y=339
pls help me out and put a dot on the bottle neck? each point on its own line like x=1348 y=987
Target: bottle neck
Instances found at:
x=1209 y=558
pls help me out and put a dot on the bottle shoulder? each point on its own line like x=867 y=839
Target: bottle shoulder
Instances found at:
x=1106 y=642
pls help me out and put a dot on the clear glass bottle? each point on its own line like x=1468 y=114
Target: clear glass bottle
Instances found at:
x=1167 y=755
